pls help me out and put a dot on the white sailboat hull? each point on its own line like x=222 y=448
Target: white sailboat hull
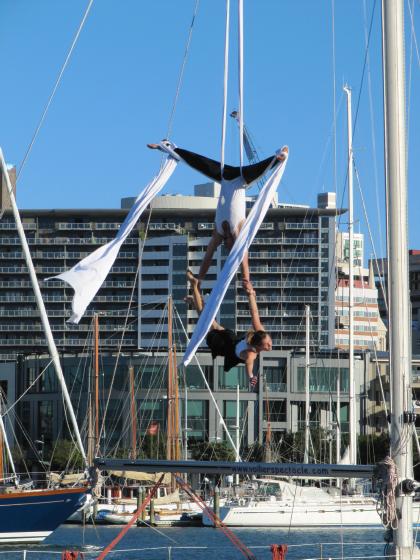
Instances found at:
x=310 y=515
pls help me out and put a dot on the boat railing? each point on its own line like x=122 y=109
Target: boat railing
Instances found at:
x=302 y=551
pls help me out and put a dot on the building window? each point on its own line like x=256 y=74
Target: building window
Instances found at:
x=197 y=419
x=274 y=411
x=323 y=379
x=153 y=377
x=48 y=382
x=45 y=420
x=151 y=411
x=194 y=377
x=229 y=414
x=276 y=377
x=179 y=250
x=232 y=378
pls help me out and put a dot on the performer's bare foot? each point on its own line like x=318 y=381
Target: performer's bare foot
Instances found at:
x=153 y=146
x=283 y=153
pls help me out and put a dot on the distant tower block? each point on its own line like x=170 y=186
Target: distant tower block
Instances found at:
x=327 y=200
x=5 y=199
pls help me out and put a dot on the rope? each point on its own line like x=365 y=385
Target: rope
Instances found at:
x=334 y=97
x=225 y=87
x=217 y=522
x=241 y=80
x=387 y=495
x=373 y=138
x=181 y=73
x=137 y=513
x=57 y=83
x=209 y=389
x=278 y=551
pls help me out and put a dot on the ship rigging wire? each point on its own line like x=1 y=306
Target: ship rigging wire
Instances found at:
x=54 y=90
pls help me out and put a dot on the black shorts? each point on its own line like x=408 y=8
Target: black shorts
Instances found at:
x=223 y=343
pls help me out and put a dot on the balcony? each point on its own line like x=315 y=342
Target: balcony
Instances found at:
x=284 y=269
x=206 y=226
x=265 y=312
x=286 y=241
x=285 y=299
x=283 y=284
x=304 y=225
x=165 y=227
x=275 y=387
x=107 y=225
x=12 y=226
x=63 y=226
x=284 y=255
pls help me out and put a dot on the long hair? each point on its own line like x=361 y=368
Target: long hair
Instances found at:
x=254 y=338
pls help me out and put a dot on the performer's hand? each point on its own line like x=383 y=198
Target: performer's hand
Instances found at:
x=253 y=381
x=248 y=287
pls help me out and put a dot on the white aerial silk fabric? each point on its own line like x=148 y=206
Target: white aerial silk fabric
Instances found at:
x=241 y=245
x=87 y=276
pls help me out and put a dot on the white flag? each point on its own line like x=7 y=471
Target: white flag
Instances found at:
x=87 y=276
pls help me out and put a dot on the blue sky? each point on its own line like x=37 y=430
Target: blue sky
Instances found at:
x=117 y=92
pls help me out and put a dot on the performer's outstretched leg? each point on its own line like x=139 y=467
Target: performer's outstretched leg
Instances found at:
x=229 y=241
x=252 y=173
x=198 y=298
x=216 y=240
x=208 y=167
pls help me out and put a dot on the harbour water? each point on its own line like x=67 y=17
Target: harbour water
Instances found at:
x=200 y=543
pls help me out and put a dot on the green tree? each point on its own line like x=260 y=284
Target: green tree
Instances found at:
x=63 y=455
x=215 y=451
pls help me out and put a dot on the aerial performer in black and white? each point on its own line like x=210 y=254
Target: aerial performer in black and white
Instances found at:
x=224 y=342
x=231 y=208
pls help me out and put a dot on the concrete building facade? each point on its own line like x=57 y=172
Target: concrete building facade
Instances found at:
x=291 y=261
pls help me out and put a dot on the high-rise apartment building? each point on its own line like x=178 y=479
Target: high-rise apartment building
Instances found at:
x=290 y=260
x=368 y=327
x=58 y=239
x=380 y=268
x=291 y=263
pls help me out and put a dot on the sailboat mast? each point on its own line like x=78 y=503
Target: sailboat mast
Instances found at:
x=170 y=396
x=237 y=455
x=96 y=380
x=338 y=427
x=43 y=313
x=133 y=414
x=397 y=257
x=1 y=456
x=352 y=392
x=307 y=366
x=4 y=440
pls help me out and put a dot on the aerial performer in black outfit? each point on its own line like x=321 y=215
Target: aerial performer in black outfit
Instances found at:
x=231 y=208
x=224 y=342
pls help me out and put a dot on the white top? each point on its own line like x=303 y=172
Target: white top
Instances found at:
x=241 y=346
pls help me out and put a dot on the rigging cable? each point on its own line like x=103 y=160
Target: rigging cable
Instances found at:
x=208 y=387
x=334 y=98
x=381 y=279
x=413 y=41
x=57 y=83
x=225 y=87
x=373 y=136
x=181 y=73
